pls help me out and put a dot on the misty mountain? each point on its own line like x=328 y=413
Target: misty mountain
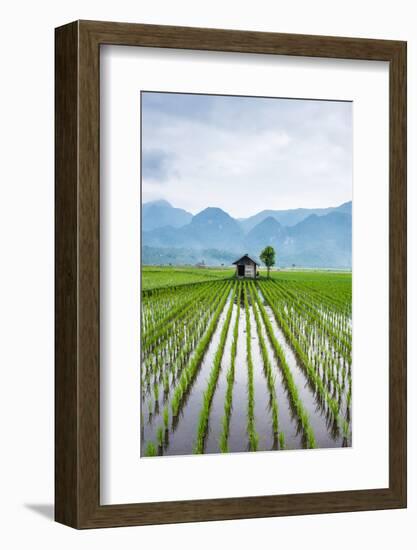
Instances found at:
x=267 y=232
x=211 y=228
x=213 y=236
x=320 y=241
x=214 y=228
x=289 y=218
x=160 y=213
x=317 y=241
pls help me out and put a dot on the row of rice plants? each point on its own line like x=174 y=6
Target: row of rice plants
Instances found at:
x=156 y=305
x=167 y=349
x=302 y=415
x=182 y=331
x=156 y=278
x=230 y=379
x=173 y=350
x=334 y=292
x=293 y=336
x=335 y=297
x=325 y=347
x=319 y=316
x=162 y=329
x=189 y=372
x=212 y=382
x=338 y=334
x=290 y=323
x=316 y=328
x=203 y=313
x=270 y=379
x=217 y=296
x=162 y=371
x=324 y=356
x=253 y=436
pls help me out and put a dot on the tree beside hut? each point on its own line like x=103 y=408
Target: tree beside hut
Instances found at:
x=267 y=256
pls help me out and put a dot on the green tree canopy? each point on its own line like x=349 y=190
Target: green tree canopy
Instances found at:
x=267 y=256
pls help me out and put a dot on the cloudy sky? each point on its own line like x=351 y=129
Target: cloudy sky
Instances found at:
x=245 y=154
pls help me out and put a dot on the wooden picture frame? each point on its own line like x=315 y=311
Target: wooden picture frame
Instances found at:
x=77 y=359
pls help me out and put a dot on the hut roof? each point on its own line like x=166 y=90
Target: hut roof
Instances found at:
x=245 y=259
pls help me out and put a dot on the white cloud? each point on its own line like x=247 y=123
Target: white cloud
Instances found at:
x=246 y=155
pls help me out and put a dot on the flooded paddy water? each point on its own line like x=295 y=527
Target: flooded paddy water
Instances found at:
x=202 y=392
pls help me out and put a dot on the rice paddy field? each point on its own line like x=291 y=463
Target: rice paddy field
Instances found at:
x=157 y=277
x=242 y=365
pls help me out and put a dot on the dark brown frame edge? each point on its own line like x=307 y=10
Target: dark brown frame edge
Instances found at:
x=77 y=274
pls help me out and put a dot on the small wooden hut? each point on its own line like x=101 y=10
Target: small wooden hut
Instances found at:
x=246 y=267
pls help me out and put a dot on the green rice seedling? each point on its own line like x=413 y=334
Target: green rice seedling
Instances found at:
x=166 y=383
x=160 y=436
x=281 y=441
x=253 y=436
x=224 y=437
x=349 y=397
x=184 y=380
x=150 y=449
x=345 y=428
x=274 y=409
x=166 y=418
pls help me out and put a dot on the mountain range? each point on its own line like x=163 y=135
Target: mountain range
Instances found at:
x=160 y=213
x=302 y=237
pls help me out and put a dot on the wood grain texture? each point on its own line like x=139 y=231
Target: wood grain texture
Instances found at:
x=78 y=286
x=66 y=237
x=398 y=273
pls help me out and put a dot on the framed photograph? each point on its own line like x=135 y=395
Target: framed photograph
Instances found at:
x=230 y=274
